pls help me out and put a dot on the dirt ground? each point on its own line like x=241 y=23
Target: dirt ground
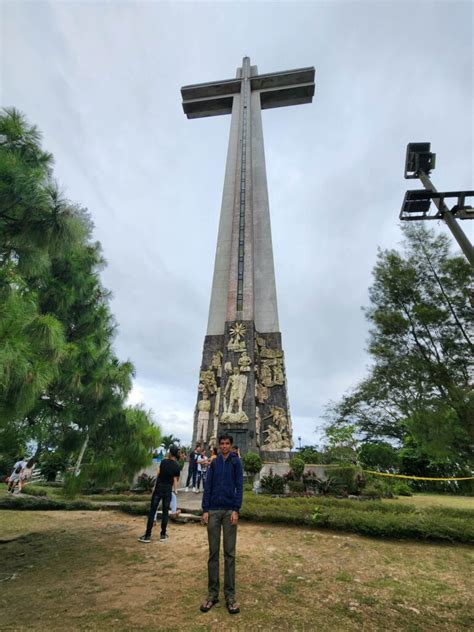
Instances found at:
x=86 y=571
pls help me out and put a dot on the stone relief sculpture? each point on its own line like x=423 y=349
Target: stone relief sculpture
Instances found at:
x=258 y=426
x=276 y=440
x=244 y=362
x=278 y=376
x=261 y=393
x=204 y=408
x=266 y=377
x=234 y=394
x=279 y=418
x=266 y=352
x=207 y=382
x=237 y=340
x=278 y=437
x=216 y=363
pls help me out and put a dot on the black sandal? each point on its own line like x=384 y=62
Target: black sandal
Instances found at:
x=208 y=604
x=232 y=607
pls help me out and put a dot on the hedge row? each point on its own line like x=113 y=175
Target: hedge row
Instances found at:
x=365 y=518
x=32 y=503
x=370 y=518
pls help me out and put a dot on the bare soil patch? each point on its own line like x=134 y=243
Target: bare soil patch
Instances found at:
x=86 y=571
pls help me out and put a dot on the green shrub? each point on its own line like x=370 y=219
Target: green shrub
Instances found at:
x=51 y=463
x=119 y=488
x=297 y=465
x=33 y=490
x=272 y=483
x=73 y=484
x=350 y=476
x=402 y=489
x=145 y=482
x=252 y=463
x=297 y=487
x=372 y=491
x=325 y=486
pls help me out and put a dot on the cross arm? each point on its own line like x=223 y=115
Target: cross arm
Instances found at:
x=209 y=99
x=290 y=87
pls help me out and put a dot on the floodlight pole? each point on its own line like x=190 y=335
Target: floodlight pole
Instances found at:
x=453 y=225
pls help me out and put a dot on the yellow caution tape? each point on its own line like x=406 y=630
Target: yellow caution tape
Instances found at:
x=420 y=478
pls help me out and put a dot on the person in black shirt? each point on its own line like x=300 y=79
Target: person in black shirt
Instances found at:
x=166 y=479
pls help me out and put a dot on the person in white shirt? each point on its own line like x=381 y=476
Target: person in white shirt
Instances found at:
x=14 y=477
x=202 y=463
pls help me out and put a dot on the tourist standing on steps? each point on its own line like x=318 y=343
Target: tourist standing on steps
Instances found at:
x=221 y=503
x=192 y=464
x=165 y=481
x=202 y=462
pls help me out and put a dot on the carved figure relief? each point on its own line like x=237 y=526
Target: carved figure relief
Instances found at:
x=216 y=363
x=204 y=407
x=258 y=426
x=266 y=377
x=279 y=418
x=244 y=362
x=261 y=393
x=234 y=395
x=266 y=352
x=208 y=382
x=278 y=377
x=278 y=433
x=276 y=440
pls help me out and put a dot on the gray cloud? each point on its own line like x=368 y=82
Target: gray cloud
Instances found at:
x=102 y=80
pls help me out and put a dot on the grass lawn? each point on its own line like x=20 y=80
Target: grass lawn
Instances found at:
x=86 y=571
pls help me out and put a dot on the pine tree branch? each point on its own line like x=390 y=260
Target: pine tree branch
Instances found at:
x=443 y=292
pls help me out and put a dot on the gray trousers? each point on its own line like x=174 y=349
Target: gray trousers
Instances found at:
x=220 y=518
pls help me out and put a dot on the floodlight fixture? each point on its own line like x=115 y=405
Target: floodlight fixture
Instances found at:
x=417 y=203
x=419 y=158
x=419 y=161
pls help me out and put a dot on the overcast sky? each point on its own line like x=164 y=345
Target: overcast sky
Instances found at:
x=102 y=82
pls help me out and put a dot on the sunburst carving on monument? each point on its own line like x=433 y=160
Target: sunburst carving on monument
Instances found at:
x=238 y=330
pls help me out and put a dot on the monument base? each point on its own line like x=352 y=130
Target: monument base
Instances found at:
x=275 y=456
x=242 y=390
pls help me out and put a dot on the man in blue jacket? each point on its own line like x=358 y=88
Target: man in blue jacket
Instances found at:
x=221 y=503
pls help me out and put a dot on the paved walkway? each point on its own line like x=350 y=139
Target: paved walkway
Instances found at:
x=189 y=501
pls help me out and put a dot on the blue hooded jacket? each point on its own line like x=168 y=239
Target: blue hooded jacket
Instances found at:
x=224 y=484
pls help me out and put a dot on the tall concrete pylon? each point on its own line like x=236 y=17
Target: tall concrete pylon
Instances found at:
x=242 y=383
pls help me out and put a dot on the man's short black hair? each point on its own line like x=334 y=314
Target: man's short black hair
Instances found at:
x=174 y=451
x=226 y=437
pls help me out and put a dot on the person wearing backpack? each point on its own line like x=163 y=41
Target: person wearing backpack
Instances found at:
x=221 y=504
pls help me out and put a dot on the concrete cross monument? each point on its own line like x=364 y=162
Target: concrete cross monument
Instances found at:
x=242 y=386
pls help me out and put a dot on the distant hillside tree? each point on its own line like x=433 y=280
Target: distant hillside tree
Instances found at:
x=419 y=385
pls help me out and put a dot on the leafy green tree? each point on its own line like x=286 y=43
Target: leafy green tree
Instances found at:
x=61 y=384
x=252 y=464
x=310 y=454
x=420 y=342
x=379 y=455
x=342 y=444
x=168 y=440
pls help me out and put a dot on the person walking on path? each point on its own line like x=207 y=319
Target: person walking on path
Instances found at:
x=221 y=504
x=165 y=481
x=14 y=478
x=192 y=464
